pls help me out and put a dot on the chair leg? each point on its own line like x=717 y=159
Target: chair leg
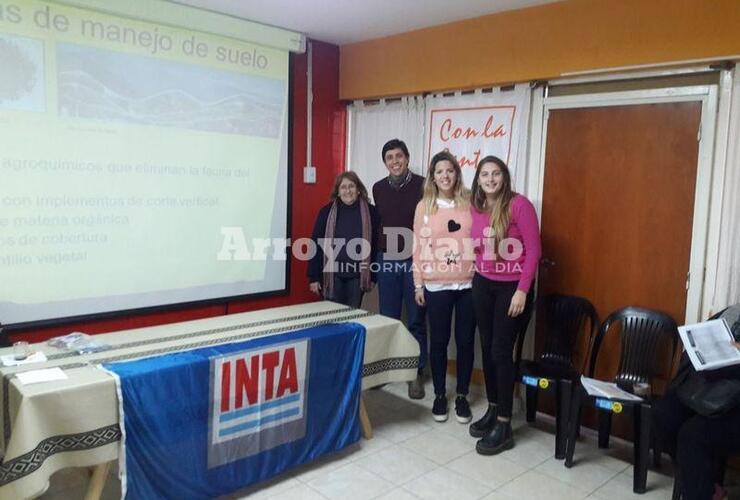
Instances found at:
x=532 y=393
x=641 y=418
x=605 y=428
x=564 y=389
x=573 y=425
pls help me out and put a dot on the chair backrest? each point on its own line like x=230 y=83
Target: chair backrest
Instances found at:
x=642 y=332
x=565 y=318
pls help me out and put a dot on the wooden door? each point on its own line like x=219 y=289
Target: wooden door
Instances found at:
x=617 y=209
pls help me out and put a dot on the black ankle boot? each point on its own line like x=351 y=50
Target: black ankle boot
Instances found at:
x=499 y=440
x=485 y=425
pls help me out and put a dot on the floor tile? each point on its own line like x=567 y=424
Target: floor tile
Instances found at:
x=350 y=481
x=494 y=471
x=439 y=447
x=397 y=494
x=366 y=447
x=444 y=484
x=498 y=495
x=535 y=485
x=398 y=431
x=586 y=476
x=528 y=453
x=659 y=487
x=454 y=428
x=617 y=457
x=298 y=492
x=532 y=432
x=323 y=465
x=397 y=464
x=266 y=489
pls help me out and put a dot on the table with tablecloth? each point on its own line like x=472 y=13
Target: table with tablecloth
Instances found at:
x=74 y=422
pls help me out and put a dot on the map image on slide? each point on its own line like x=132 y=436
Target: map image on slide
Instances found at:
x=113 y=86
x=21 y=74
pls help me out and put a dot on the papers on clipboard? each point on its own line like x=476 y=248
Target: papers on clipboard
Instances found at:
x=709 y=345
x=607 y=390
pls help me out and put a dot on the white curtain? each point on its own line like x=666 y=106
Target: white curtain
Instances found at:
x=372 y=125
x=727 y=288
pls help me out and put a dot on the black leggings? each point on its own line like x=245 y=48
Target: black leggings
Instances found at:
x=440 y=306
x=498 y=333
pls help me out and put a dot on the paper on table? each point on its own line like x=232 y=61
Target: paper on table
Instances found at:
x=45 y=375
x=36 y=357
x=606 y=390
x=709 y=344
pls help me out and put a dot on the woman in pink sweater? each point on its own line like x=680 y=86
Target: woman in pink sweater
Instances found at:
x=507 y=247
x=443 y=271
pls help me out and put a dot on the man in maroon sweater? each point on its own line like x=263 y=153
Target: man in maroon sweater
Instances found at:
x=395 y=198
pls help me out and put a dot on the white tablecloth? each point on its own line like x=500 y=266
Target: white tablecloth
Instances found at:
x=74 y=422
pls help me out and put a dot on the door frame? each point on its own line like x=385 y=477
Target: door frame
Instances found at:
x=701 y=224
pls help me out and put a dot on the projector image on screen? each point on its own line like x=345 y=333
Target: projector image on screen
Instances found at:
x=126 y=148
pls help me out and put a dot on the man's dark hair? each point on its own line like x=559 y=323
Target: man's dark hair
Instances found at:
x=394 y=144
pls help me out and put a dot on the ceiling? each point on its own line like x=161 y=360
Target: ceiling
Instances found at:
x=347 y=21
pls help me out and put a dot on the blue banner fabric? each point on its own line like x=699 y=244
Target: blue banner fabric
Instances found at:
x=207 y=422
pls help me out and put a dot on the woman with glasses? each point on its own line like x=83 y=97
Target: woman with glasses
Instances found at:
x=347 y=226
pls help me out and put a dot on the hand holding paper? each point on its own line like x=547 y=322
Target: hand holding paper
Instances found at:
x=710 y=345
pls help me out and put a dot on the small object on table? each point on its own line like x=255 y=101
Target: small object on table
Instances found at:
x=82 y=343
x=21 y=350
x=34 y=357
x=45 y=375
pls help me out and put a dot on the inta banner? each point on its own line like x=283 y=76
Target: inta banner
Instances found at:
x=207 y=422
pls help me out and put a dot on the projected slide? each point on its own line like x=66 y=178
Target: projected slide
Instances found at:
x=128 y=151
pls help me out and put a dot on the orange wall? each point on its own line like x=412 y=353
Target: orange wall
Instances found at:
x=539 y=43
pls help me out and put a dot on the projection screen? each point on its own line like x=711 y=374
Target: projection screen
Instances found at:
x=140 y=159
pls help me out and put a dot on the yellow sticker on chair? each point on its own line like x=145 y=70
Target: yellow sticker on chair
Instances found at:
x=544 y=383
x=617 y=407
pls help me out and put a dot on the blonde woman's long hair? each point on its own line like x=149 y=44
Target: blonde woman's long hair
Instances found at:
x=500 y=210
x=431 y=191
